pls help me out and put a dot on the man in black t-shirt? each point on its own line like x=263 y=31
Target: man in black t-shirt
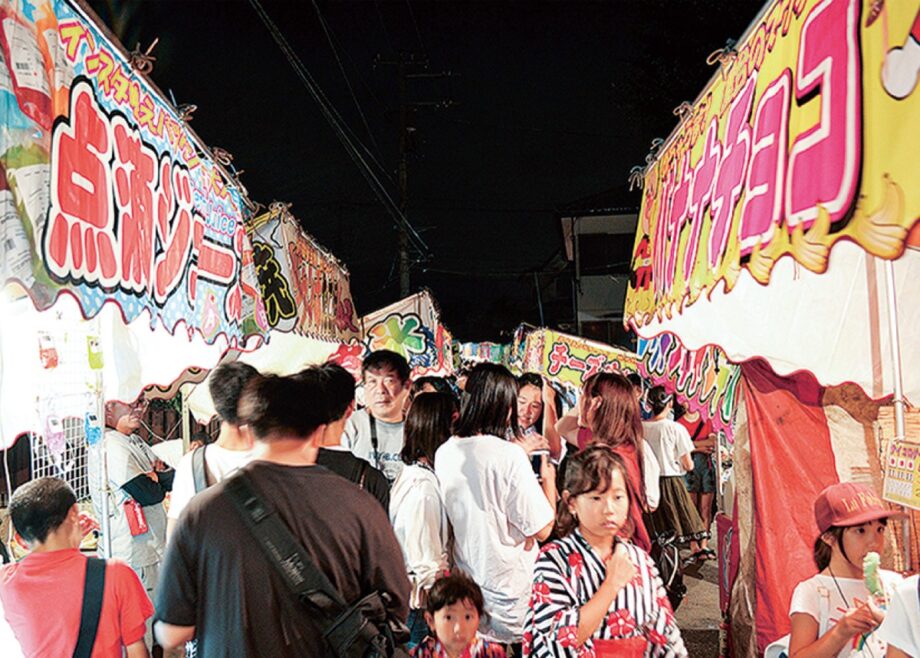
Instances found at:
x=216 y=583
x=340 y=388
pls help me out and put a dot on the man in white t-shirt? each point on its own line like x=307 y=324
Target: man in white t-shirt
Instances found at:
x=375 y=433
x=901 y=628
x=496 y=506
x=232 y=450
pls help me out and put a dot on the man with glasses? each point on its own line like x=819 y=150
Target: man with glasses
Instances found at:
x=136 y=482
x=375 y=433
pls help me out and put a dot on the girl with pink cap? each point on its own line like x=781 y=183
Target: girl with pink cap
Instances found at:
x=834 y=613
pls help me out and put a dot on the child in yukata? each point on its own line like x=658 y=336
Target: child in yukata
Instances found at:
x=454 y=608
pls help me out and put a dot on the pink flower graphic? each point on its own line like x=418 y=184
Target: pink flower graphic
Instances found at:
x=541 y=592
x=568 y=636
x=622 y=623
x=577 y=563
x=656 y=638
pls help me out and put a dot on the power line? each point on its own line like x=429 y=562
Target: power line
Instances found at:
x=349 y=141
x=327 y=31
x=418 y=33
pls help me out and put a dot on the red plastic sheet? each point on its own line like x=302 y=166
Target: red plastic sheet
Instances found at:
x=792 y=461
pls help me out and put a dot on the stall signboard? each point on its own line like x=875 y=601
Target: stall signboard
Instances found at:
x=808 y=137
x=902 y=474
x=411 y=327
x=704 y=380
x=486 y=352
x=105 y=194
x=571 y=360
x=305 y=289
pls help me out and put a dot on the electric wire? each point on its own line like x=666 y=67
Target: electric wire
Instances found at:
x=418 y=33
x=328 y=32
x=335 y=121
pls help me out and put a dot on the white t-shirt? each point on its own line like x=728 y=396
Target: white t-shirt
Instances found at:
x=494 y=504
x=357 y=438
x=420 y=524
x=651 y=471
x=219 y=462
x=901 y=628
x=669 y=441
x=820 y=597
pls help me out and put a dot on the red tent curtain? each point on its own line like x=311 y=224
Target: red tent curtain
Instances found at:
x=792 y=461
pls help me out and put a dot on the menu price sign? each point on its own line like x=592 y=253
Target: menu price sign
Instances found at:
x=902 y=474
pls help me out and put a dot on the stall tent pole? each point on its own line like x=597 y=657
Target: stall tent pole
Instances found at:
x=899 y=403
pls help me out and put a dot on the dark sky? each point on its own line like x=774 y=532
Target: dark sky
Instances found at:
x=555 y=102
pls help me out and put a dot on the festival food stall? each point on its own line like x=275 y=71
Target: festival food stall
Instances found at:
x=779 y=232
x=124 y=259
x=411 y=327
x=309 y=310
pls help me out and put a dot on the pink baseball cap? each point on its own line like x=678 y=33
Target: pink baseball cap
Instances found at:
x=847 y=504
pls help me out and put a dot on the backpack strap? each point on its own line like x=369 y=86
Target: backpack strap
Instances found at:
x=93 y=587
x=374 y=442
x=199 y=469
x=362 y=473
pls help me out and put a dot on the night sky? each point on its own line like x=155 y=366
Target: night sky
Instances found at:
x=554 y=102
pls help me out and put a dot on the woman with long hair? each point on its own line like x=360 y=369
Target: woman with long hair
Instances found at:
x=671 y=444
x=416 y=506
x=608 y=407
x=495 y=504
x=594 y=593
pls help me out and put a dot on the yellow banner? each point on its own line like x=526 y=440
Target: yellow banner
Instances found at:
x=572 y=360
x=810 y=135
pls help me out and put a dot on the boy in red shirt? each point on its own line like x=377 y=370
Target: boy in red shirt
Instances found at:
x=42 y=594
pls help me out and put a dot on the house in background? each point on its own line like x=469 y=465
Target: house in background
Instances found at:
x=598 y=232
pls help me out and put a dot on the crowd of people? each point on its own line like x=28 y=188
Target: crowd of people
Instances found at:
x=482 y=522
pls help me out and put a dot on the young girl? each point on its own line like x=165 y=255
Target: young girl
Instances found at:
x=454 y=609
x=672 y=446
x=593 y=593
x=416 y=506
x=833 y=613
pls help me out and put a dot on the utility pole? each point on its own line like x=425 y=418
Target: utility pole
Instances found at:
x=407 y=64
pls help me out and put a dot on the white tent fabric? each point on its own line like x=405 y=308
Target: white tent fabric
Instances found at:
x=135 y=356
x=834 y=325
x=284 y=354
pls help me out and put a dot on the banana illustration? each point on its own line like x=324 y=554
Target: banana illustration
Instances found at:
x=810 y=247
x=881 y=232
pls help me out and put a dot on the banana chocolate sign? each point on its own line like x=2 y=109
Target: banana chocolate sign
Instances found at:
x=809 y=135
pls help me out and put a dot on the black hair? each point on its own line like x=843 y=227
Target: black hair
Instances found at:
x=339 y=387
x=587 y=471
x=533 y=379
x=530 y=379
x=635 y=379
x=226 y=385
x=276 y=406
x=439 y=384
x=454 y=588
x=428 y=425
x=491 y=407
x=202 y=436
x=39 y=507
x=658 y=399
x=387 y=360
x=823 y=551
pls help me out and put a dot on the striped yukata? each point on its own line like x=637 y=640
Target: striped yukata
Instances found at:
x=567 y=574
